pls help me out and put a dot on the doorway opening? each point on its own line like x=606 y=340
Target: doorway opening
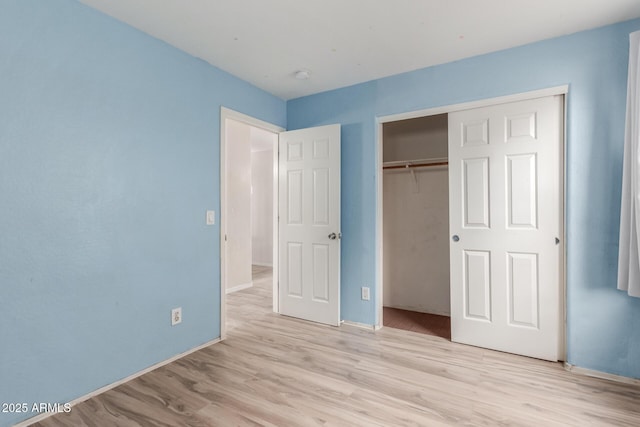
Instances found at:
x=248 y=217
x=416 y=225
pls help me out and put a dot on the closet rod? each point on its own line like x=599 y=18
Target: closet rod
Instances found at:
x=415 y=165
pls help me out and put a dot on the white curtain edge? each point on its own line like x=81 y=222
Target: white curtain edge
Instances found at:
x=628 y=254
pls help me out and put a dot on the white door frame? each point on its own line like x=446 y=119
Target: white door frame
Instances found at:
x=226 y=113
x=381 y=120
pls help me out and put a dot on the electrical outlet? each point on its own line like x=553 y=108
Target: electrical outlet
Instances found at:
x=176 y=316
x=365 y=293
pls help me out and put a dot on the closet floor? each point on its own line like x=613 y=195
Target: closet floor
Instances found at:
x=424 y=323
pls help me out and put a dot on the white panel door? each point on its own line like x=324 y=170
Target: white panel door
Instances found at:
x=505 y=204
x=309 y=224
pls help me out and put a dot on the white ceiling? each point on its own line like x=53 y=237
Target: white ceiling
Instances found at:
x=343 y=42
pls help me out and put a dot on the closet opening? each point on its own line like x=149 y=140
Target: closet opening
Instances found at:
x=499 y=272
x=415 y=187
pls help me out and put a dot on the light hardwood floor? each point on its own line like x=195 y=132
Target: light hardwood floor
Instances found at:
x=278 y=371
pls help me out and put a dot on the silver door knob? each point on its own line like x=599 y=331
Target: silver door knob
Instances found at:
x=455 y=238
x=333 y=236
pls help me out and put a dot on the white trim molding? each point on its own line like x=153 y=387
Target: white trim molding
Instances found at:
x=228 y=113
x=358 y=325
x=602 y=375
x=239 y=287
x=263 y=264
x=523 y=96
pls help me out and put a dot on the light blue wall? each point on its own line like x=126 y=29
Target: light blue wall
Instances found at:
x=109 y=153
x=109 y=157
x=603 y=323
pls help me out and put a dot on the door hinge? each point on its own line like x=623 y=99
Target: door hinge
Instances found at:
x=225 y=237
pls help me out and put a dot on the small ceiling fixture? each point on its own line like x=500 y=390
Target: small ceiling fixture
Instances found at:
x=302 y=74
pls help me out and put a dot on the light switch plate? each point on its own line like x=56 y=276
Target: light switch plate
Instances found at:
x=211 y=217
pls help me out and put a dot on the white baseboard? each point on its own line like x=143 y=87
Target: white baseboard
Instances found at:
x=358 y=325
x=108 y=387
x=239 y=288
x=602 y=375
x=262 y=264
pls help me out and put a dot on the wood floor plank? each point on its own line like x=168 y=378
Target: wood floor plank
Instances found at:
x=279 y=371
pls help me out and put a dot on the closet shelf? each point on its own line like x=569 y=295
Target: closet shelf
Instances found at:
x=415 y=163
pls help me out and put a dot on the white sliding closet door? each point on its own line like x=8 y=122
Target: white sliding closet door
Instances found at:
x=505 y=223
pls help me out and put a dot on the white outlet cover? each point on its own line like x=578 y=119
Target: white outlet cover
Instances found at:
x=365 y=293
x=176 y=316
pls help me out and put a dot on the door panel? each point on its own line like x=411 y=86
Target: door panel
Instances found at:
x=505 y=207
x=522 y=286
x=294 y=269
x=294 y=197
x=477 y=285
x=476 y=193
x=309 y=205
x=321 y=197
x=522 y=191
x=321 y=272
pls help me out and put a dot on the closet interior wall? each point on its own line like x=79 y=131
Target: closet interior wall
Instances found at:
x=416 y=215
